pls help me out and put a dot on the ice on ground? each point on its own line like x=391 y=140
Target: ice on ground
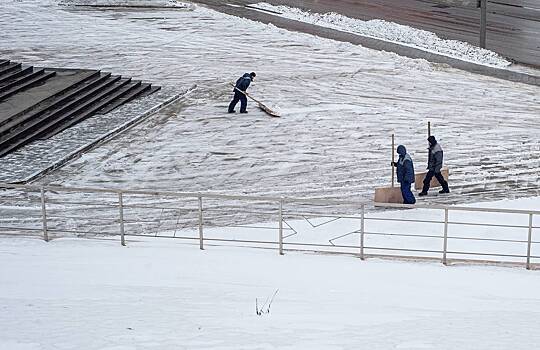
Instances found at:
x=393 y=32
x=339 y=103
x=95 y=294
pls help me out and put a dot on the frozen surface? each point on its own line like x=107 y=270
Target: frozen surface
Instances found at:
x=390 y=31
x=340 y=103
x=97 y=295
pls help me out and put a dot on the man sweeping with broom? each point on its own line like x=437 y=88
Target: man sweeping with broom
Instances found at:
x=240 y=92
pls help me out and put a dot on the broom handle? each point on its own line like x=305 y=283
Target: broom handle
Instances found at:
x=393 y=159
x=245 y=93
x=428 y=129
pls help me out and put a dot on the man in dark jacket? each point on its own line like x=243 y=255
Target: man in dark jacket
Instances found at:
x=241 y=84
x=435 y=163
x=405 y=174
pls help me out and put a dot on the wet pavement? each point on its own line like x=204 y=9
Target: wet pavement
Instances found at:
x=43 y=155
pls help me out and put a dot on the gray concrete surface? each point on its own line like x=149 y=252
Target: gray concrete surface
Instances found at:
x=39 y=157
x=513 y=25
x=23 y=100
x=527 y=78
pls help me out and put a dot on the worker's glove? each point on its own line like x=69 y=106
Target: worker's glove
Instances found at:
x=393 y=164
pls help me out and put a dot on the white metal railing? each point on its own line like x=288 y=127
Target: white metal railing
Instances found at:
x=214 y=218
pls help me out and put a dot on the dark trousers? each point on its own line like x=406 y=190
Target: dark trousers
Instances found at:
x=408 y=196
x=439 y=177
x=238 y=96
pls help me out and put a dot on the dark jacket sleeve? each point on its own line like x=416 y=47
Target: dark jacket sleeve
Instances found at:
x=408 y=175
x=437 y=161
x=237 y=84
x=405 y=171
x=244 y=84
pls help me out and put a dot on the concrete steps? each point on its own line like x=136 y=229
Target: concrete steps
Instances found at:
x=38 y=103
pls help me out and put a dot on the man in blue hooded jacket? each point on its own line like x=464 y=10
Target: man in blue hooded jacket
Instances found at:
x=239 y=92
x=405 y=174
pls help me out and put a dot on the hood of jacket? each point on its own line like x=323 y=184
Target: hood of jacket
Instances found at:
x=401 y=150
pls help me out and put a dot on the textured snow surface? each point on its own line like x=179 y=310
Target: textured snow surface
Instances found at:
x=340 y=103
x=95 y=294
x=390 y=31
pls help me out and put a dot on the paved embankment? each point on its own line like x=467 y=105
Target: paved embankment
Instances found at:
x=528 y=56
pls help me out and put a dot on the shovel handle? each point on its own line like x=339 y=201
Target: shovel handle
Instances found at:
x=244 y=92
x=393 y=159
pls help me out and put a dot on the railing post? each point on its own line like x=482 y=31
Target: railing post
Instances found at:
x=121 y=213
x=445 y=244
x=483 y=23
x=281 y=227
x=201 y=243
x=362 y=229
x=44 y=215
x=529 y=242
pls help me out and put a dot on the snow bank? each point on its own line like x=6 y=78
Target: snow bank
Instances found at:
x=95 y=294
x=392 y=32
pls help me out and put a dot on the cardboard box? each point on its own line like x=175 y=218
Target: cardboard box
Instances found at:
x=388 y=195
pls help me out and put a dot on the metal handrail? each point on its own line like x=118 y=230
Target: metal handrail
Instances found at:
x=265 y=198
x=324 y=201
x=487 y=225
x=405 y=220
x=123 y=220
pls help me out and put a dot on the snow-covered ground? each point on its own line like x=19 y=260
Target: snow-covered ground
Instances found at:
x=340 y=103
x=74 y=293
x=97 y=295
x=390 y=31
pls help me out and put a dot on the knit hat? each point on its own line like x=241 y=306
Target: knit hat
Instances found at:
x=432 y=141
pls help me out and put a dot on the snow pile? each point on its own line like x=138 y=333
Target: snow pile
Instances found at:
x=392 y=32
x=95 y=294
x=127 y=3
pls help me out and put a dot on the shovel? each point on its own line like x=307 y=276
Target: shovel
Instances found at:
x=261 y=105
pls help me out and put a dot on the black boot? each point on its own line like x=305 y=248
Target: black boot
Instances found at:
x=421 y=194
x=444 y=190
